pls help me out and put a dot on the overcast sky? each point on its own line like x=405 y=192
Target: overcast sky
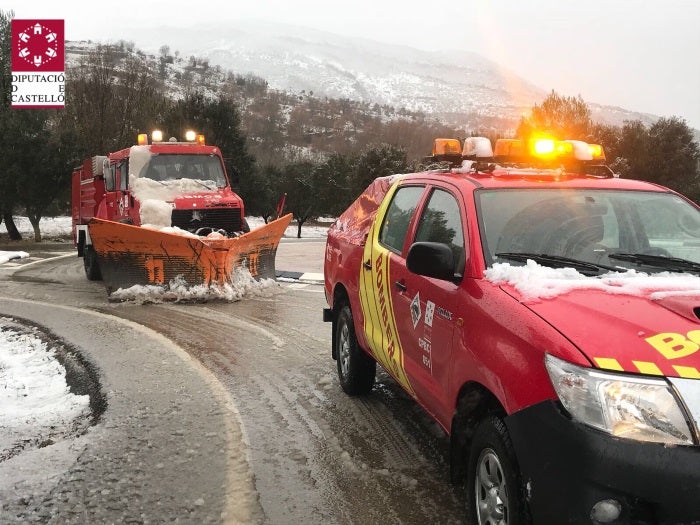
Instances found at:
x=642 y=55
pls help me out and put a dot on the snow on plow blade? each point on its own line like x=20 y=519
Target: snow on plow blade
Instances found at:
x=131 y=255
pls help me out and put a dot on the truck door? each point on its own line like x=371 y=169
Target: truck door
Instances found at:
x=426 y=308
x=376 y=279
x=110 y=210
x=122 y=186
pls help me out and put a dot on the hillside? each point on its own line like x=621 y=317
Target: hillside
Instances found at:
x=461 y=89
x=281 y=126
x=304 y=93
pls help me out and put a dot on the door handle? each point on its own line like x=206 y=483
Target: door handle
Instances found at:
x=367 y=265
x=401 y=286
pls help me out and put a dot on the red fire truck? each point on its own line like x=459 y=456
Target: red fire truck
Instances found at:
x=546 y=314
x=171 y=188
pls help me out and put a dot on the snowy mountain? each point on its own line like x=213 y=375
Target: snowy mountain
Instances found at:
x=447 y=85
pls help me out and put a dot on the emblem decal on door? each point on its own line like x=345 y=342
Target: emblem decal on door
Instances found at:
x=415 y=309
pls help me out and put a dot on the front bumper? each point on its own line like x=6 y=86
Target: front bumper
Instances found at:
x=568 y=467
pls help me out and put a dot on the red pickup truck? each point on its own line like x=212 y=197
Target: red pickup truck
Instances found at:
x=546 y=314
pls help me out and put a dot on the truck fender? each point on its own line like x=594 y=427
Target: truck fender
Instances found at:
x=474 y=402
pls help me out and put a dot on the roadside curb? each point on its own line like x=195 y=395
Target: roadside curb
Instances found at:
x=300 y=277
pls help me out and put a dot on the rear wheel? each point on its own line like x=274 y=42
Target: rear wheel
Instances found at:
x=494 y=494
x=356 y=369
x=92 y=267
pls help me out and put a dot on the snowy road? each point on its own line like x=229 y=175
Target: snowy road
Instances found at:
x=290 y=447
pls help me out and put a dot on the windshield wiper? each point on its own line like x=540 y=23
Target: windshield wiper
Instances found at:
x=196 y=181
x=558 y=261
x=672 y=264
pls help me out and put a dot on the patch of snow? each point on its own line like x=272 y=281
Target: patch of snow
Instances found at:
x=155 y=213
x=138 y=158
x=178 y=290
x=50 y=226
x=10 y=256
x=36 y=405
x=535 y=282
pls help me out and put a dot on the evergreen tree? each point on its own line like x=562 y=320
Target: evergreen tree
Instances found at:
x=377 y=160
x=8 y=193
x=665 y=153
x=333 y=179
x=299 y=184
x=261 y=190
x=674 y=156
x=220 y=121
x=565 y=117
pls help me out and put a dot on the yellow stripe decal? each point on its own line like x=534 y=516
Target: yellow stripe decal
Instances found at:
x=648 y=368
x=377 y=306
x=687 y=371
x=608 y=363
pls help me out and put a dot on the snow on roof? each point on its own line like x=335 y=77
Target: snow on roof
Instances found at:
x=535 y=282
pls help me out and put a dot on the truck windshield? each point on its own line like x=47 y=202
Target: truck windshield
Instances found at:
x=646 y=231
x=204 y=169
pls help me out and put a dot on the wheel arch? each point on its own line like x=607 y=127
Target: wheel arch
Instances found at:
x=474 y=403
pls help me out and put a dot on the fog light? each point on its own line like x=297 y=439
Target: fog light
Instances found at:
x=606 y=511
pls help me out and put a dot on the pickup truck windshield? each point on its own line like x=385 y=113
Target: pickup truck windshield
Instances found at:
x=593 y=226
x=204 y=169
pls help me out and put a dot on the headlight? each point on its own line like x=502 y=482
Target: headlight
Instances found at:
x=622 y=405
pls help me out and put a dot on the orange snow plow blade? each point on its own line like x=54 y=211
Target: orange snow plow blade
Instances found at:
x=131 y=255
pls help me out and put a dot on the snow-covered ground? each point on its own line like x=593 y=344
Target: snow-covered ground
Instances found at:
x=36 y=405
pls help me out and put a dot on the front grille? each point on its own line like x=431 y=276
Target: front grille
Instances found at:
x=228 y=219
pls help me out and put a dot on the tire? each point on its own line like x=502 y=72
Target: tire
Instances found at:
x=356 y=369
x=494 y=492
x=92 y=267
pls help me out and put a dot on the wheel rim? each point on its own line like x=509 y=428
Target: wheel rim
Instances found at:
x=344 y=349
x=490 y=488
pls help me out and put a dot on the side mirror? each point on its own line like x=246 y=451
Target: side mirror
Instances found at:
x=432 y=259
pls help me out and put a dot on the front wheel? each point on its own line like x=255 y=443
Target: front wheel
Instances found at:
x=92 y=267
x=493 y=492
x=356 y=369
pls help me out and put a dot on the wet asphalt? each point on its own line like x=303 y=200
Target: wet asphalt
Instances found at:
x=147 y=396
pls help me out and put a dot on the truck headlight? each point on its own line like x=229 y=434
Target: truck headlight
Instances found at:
x=622 y=405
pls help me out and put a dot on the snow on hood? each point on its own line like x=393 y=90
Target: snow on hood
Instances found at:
x=155 y=212
x=535 y=282
x=155 y=197
x=144 y=188
x=628 y=321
